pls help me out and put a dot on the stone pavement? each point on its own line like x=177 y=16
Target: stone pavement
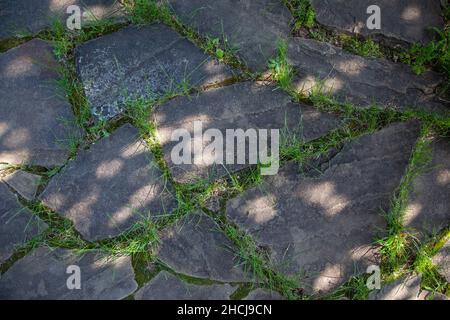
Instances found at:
x=119 y=193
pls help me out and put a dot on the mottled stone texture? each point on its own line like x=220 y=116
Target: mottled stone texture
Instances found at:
x=17 y=224
x=428 y=209
x=25 y=183
x=323 y=227
x=141 y=62
x=110 y=186
x=442 y=261
x=35 y=121
x=401 y=20
x=195 y=246
x=263 y=294
x=25 y=17
x=166 y=286
x=252 y=28
x=247 y=105
x=361 y=81
x=42 y=275
x=402 y=289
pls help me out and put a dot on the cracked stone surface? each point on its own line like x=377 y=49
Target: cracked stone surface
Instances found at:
x=236 y=21
x=428 y=209
x=404 y=20
x=407 y=288
x=247 y=105
x=17 y=224
x=110 y=186
x=323 y=227
x=24 y=183
x=263 y=294
x=196 y=247
x=361 y=81
x=165 y=286
x=442 y=261
x=141 y=62
x=34 y=119
x=102 y=277
x=30 y=17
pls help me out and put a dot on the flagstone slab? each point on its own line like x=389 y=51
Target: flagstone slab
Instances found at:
x=428 y=209
x=24 y=183
x=322 y=228
x=361 y=81
x=401 y=20
x=17 y=224
x=246 y=105
x=166 y=286
x=263 y=294
x=251 y=28
x=111 y=186
x=44 y=274
x=195 y=246
x=35 y=119
x=407 y=288
x=442 y=261
x=29 y=17
x=141 y=63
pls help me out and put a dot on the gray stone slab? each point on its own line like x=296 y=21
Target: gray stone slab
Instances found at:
x=28 y=17
x=402 y=289
x=110 y=186
x=252 y=28
x=247 y=105
x=43 y=274
x=404 y=20
x=442 y=261
x=141 y=62
x=165 y=286
x=322 y=227
x=35 y=119
x=25 y=183
x=361 y=81
x=263 y=294
x=428 y=209
x=195 y=246
x=17 y=224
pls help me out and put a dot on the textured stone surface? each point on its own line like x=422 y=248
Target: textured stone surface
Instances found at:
x=402 y=289
x=110 y=186
x=141 y=62
x=30 y=16
x=361 y=81
x=323 y=227
x=42 y=274
x=25 y=183
x=33 y=118
x=428 y=209
x=17 y=224
x=248 y=105
x=195 y=246
x=442 y=261
x=405 y=20
x=263 y=294
x=166 y=286
x=252 y=28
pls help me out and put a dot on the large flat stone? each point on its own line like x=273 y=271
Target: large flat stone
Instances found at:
x=248 y=105
x=141 y=62
x=34 y=118
x=263 y=294
x=428 y=210
x=195 y=246
x=402 y=289
x=252 y=28
x=17 y=224
x=43 y=275
x=111 y=186
x=166 y=286
x=24 y=183
x=30 y=17
x=442 y=261
x=361 y=81
x=404 y=20
x=322 y=228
